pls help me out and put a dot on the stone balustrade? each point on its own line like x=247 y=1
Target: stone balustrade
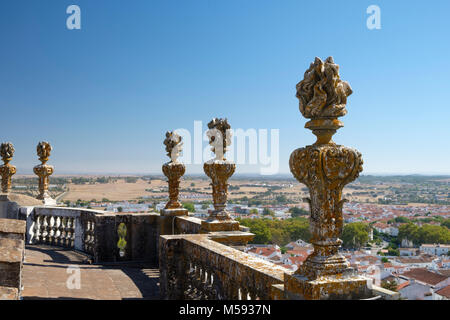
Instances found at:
x=64 y=227
x=94 y=232
x=196 y=267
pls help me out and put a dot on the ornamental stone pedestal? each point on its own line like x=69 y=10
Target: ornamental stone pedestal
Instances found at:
x=173 y=170
x=219 y=223
x=7 y=170
x=325 y=168
x=44 y=171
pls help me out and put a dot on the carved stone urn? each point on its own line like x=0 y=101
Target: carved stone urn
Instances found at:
x=173 y=170
x=219 y=170
x=7 y=170
x=325 y=168
x=44 y=171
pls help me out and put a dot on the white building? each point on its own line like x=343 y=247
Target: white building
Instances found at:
x=435 y=249
x=422 y=284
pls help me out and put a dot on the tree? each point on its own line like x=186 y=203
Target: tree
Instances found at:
x=119 y=209
x=426 y=234
x=297 y=212
x=267 y=212
x=278 y=232
x=281 y=199
x=384 y=260
x=393 y=252
x=446 y=223
x=189 y=206
x=389 y=285
x=253 y=211
x=401 y=220
x=355 y=235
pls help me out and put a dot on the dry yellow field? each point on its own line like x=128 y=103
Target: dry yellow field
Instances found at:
x=114 y=191
x=121 y=190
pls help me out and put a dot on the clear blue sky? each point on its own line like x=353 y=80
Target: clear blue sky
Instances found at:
x=105 y=95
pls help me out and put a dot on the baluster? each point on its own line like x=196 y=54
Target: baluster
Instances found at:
x=92 y=238
x=86 y=236
x=203 y=277
x=233 y=293
x=68 y=232
x=51 y=230
x=58 y=231
x=72 y=232
x=244 y=293
x=37 y=229
x=62 y=229
x=44 y=229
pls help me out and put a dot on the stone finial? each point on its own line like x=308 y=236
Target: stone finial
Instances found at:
x=323 y=97
x=44 y=171
x=7 y=170
x=219 y=170
x=7 y=151
x=174 y=145
x=322 y=93
x=43 y=151
x=219 y=135
x=173 y=170
x=325 y=168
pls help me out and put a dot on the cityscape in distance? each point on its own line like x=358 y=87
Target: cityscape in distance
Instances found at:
x=396 y=226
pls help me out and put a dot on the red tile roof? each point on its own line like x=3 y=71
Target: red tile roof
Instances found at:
x=425 y=276
x=445 y=292
x=402 y=285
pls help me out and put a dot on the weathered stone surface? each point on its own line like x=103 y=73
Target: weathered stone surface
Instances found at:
x=232 y=238
x=167 y=220
x=11 y=258
x=325 y=168
x=174 y=169
x=44 y=171
x=351 y=287
x=187 y=225
x=321 y=93
x=12 y=229
x=8 y=293
x=6 y=170
x=219 y=170
x=196 y=267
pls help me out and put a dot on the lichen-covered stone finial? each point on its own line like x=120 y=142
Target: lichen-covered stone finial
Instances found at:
x=44 y=171
x=322 y=93
x=219 y=135
x=43 y=151
x=6 y=151
x=6 y=170
x=174 y=145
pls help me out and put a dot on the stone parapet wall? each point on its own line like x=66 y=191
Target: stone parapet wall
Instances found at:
x=12 y=229
x=187 y=225
x=12 y=235
x=196 y=267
